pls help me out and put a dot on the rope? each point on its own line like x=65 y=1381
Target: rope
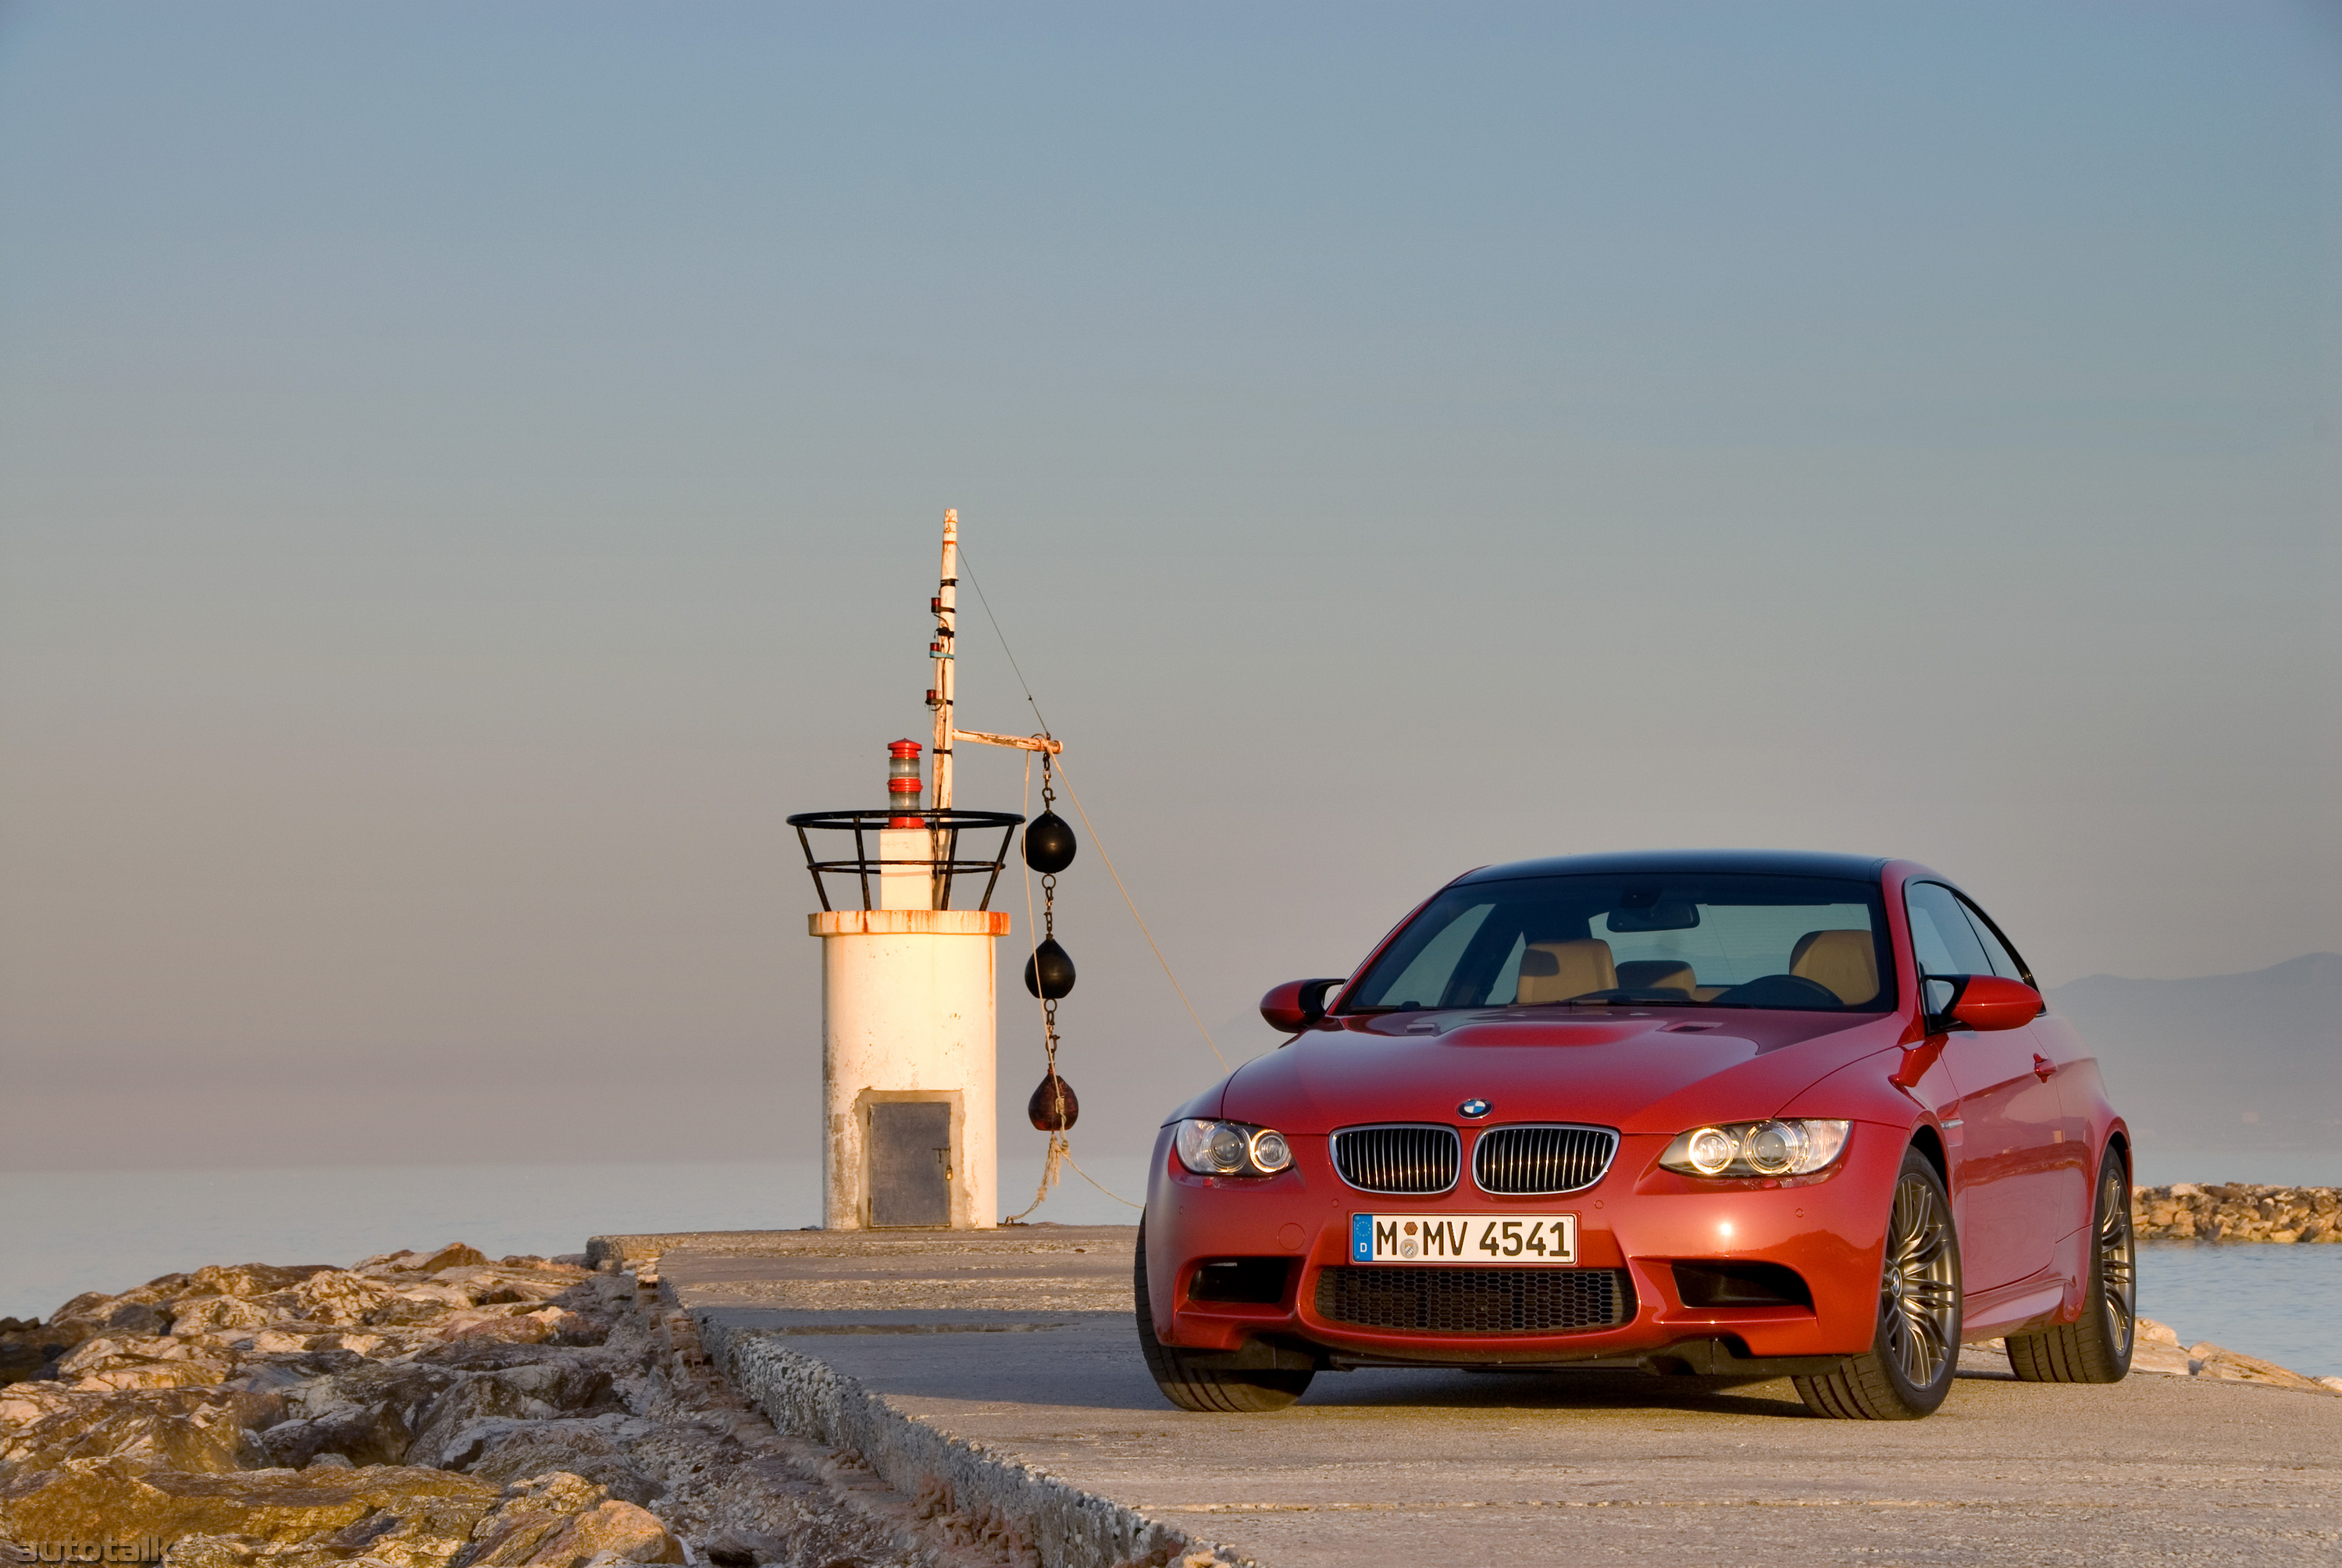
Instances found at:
x=1094 y=1182
x=1004 y=648
x=970 y=572
x=1074 y=796
x=1061 y=1151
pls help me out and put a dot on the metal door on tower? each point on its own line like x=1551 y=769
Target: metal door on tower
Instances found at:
x=910 y=1155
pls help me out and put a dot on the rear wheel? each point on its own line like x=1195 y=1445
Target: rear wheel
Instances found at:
x=2096 y=1347
x=1191 y=1386
x=1908 y=1368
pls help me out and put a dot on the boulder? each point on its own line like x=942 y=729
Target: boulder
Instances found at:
x=395 y=1517
x=249 y=1280
x=124 y=1374
x=367 y=1414
x=88 y=1316
x=23 y=1403
x=161 y=1289
x=517 y=1326
x=26 y=1353
x=400 y=1517
x=500 y=1286
x=164 y=1362
x=512 y=1328
x=216 y=1314
x=420 y=1304
x=456 y=1428
x=584 y=1373
x=338 y=1297
x=2213 y=1361
x=517 y=1451
x=564 y=1521
x=201 y=1431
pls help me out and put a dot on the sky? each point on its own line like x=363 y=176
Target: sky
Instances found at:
x=467 y=474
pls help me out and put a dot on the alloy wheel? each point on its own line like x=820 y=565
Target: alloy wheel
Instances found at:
x=2118 y=1262
x=1918 y=1292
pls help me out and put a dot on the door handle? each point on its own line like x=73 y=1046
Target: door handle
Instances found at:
x=2043 y=1067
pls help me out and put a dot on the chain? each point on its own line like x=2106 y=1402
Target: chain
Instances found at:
x=1060 y=1149
x=1049 y=933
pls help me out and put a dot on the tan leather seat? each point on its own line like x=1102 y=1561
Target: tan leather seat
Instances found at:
x=1657 y=974
x=1844 y=961
x=1558 y=971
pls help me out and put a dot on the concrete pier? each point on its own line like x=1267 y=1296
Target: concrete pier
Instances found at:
x=1001 y=1369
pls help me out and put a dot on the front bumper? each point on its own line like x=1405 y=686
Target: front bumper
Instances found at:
x=1638 y=1219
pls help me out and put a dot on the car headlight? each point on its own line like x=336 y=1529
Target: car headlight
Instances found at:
x=1231 y=1149
x=1798 y=1146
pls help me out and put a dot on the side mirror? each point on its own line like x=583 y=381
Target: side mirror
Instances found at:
x=1297 y=1003
x=1979 y=1001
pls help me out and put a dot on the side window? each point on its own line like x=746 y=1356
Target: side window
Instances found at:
x=1942 y=939
x=2004 y=962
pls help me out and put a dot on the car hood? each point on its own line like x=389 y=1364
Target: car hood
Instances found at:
x=1640 y=1075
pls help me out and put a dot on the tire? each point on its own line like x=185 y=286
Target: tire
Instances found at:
x=1915 y=1349
x=1206 y=1388
x=2095 y=1347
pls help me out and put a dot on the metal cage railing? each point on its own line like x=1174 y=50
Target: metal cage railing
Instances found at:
x=949 y=865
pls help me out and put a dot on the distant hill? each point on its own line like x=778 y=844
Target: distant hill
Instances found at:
x=2242 y=1063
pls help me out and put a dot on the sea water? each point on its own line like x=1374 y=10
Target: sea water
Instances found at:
x=2264 y=1299
x=63 y=1233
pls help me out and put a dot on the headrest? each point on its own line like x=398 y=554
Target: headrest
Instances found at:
x=1844 y=961
x=1558 y=971
x=1657 y=975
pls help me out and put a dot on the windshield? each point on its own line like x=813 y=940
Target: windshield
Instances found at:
x=1682 y=940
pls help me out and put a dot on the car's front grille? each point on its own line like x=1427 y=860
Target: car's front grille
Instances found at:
x=1542 y=1160
x=1438 y=1300
x=1410 y=1159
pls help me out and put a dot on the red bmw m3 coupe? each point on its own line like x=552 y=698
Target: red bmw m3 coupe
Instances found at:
x=1725 y=1115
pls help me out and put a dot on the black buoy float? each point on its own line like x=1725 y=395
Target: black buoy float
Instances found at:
x=1049 y=843
x=1049 y=973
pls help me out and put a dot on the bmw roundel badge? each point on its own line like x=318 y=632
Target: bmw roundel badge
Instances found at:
x=1474 y=1108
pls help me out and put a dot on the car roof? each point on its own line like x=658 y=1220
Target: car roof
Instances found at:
x=1679 y=862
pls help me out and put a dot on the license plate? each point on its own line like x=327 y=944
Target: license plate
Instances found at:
x=1546 y=1239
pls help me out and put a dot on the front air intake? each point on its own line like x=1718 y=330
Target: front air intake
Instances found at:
x=1402 y=1159
x=1542 y=1160
x=1435 y=1300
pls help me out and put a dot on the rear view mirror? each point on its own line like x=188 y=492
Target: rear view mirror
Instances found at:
x=1660 y=915
x=1981 y=1001
x=1297 y=1003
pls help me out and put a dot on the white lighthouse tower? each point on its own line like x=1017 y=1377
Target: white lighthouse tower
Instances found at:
x=908 y=1079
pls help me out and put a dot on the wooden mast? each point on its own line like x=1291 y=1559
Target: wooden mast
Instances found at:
x=947 y=608
x=943 y=698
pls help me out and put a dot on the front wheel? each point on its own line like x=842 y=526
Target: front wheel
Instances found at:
x=2096 y=1347
x=1908 y=1370
x=1206 y=1388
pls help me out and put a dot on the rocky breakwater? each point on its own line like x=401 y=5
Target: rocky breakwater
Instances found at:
x=2159 y=1352
x=2238 y=1212
x=413 y=1411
